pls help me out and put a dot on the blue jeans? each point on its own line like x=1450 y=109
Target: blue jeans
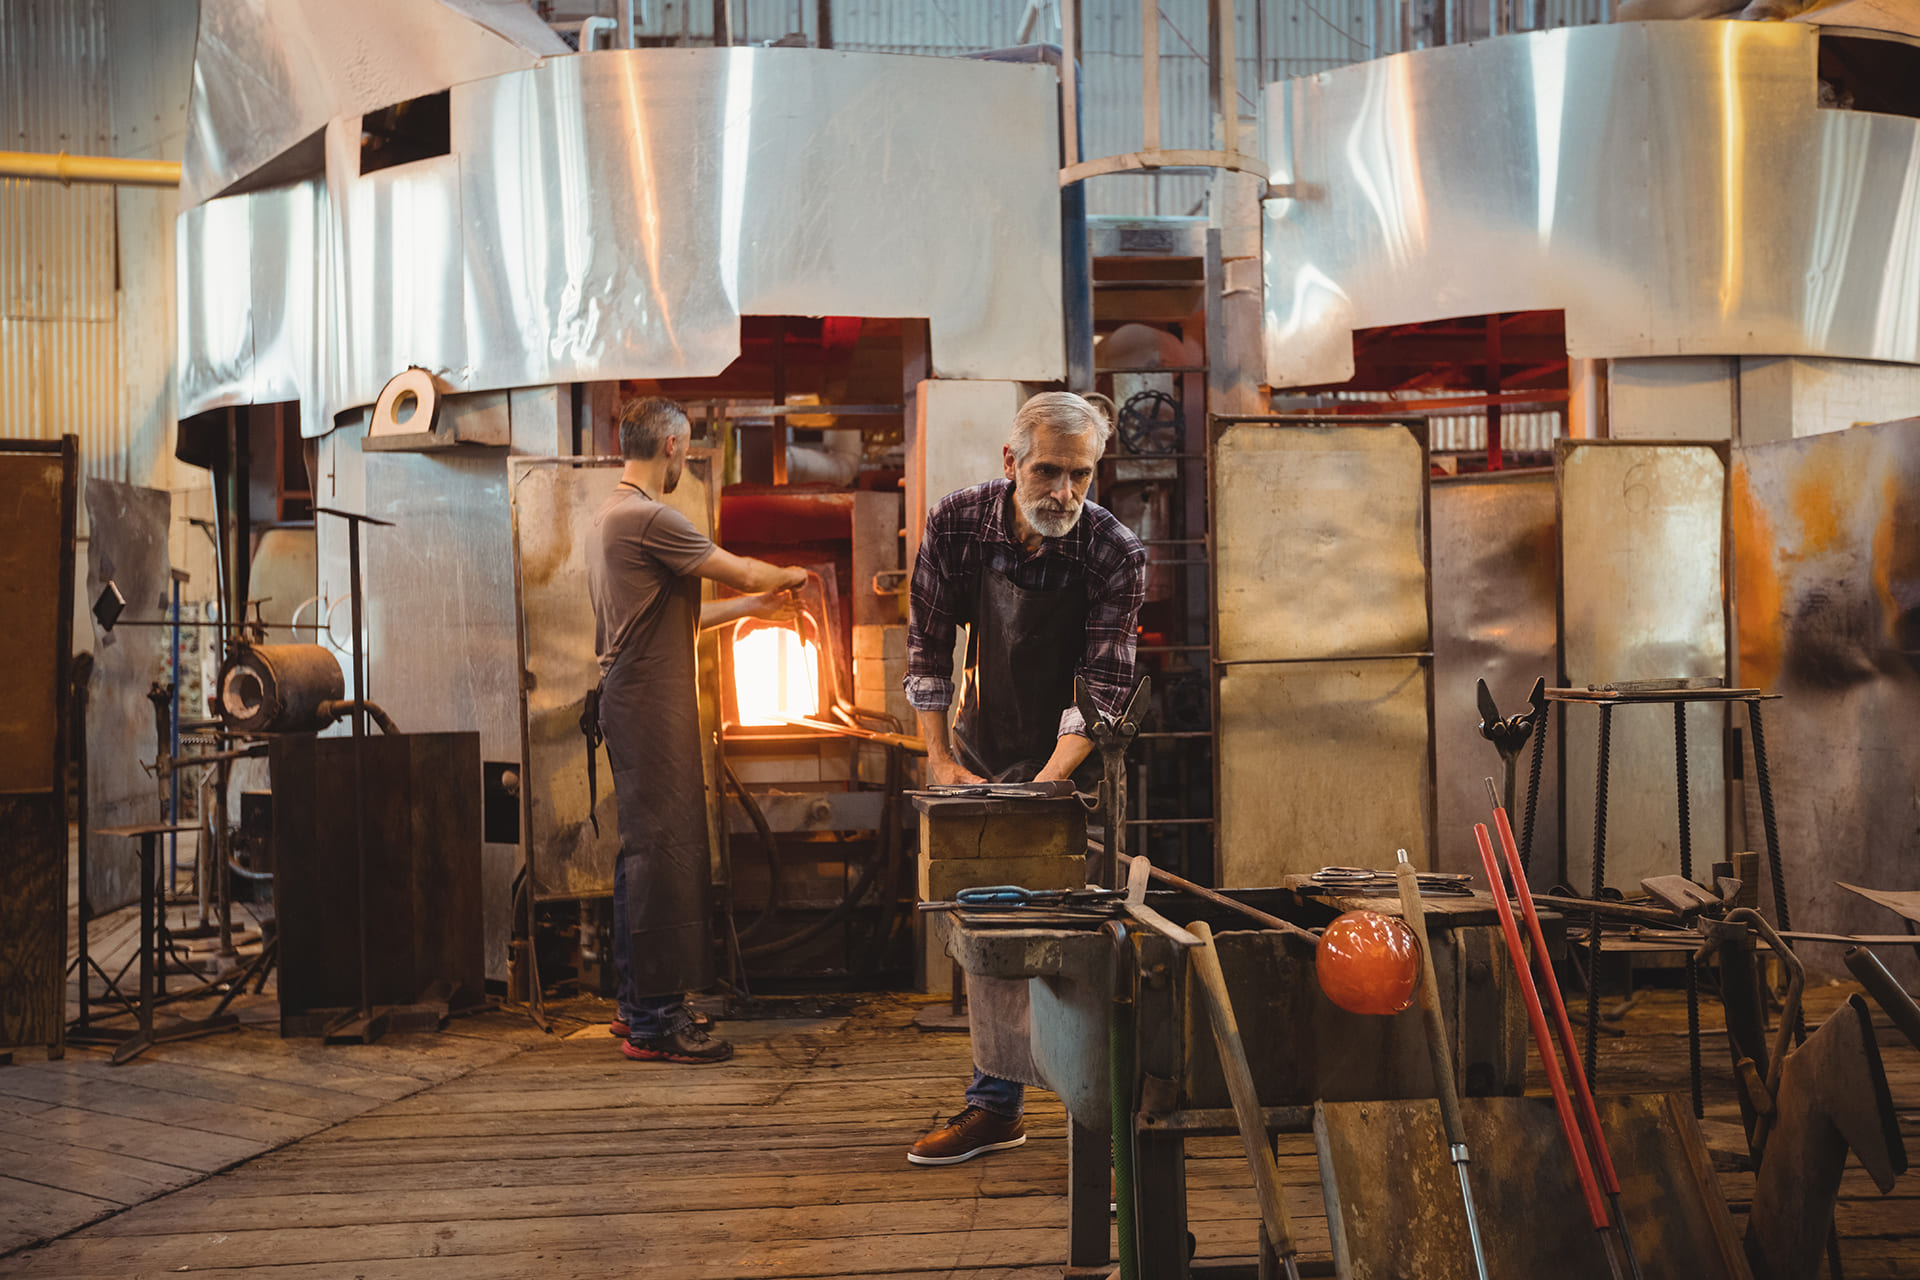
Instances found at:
x=644 y=1016
x=1001 y=1097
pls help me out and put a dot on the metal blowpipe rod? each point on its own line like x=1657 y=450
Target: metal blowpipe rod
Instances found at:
x=1414 y=912
x=1563 y=1028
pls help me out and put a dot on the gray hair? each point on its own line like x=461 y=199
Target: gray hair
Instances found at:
x=1060 y=411
x=647 y=423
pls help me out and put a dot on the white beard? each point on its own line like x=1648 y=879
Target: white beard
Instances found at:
x=1049 y=521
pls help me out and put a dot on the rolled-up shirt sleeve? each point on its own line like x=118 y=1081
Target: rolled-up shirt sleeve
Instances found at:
x=934 y=616
x=1115 y=590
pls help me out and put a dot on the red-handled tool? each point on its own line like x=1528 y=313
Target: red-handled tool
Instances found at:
x=1562 y=1025
x=1562 y=1100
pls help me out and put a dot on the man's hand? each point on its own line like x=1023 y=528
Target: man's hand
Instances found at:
x=793 y=578
x=945 y=771
x=772 y=606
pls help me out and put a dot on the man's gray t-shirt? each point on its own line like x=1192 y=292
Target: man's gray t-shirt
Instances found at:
x=639 y=551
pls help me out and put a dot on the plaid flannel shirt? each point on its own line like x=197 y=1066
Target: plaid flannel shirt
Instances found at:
x=972 y=529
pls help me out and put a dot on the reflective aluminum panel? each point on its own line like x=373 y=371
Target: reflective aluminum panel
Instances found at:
x=1496 y=557
x=1642 y=598
x=269 y=76
x=1826 y=534
x=1671 y=185
x=614 y=215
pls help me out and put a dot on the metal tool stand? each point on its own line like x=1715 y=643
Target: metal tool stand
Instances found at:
x=1678 y=695
x=361 y=1025
x=153 y=940
x=1112 y=737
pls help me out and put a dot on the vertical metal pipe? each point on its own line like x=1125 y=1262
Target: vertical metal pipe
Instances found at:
x=624 y=34
x=823 y=24
x=1069 y=83
x=173 y=748
x=359 y=770
x=1226 y=74
x=722 y=22
x=1150 y=74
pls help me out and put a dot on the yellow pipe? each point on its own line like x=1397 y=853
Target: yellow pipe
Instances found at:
x=63 y=168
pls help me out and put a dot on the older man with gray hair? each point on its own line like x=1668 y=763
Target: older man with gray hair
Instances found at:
x=1049 y=587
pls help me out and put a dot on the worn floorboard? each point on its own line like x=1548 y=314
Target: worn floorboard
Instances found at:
x=494 y=1151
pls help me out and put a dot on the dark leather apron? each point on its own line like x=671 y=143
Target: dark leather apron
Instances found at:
x=1022 y=651
x=650 y=714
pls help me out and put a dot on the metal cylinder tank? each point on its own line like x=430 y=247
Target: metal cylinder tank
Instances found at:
x=279 y=688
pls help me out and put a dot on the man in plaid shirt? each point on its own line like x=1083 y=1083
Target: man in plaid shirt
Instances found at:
x=1049 y=587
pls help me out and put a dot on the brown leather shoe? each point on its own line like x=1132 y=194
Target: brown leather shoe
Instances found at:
x=971 y=1133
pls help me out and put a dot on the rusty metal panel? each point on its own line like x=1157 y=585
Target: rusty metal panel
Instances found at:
x=31 y=534
x=127 y=545
x=1320 y=541
x=553 y=502
x=1496 y=560
x=1401 y=1215
x=1642 y=597
x=1322 y=762
x=1826 y=534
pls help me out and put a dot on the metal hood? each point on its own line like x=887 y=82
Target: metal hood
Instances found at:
x=269 y=74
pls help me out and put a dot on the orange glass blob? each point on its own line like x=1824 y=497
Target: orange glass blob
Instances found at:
x=1368 y=963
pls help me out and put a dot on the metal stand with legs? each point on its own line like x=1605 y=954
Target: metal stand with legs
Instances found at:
x=133 y=1041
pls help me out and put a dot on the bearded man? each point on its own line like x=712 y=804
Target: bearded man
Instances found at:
x=1049 y=587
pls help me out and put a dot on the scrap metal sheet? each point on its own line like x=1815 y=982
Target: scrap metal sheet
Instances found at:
x=1643 y=597
x=1320 y=615
x=553 y=502
x=1496 y=561
x=1826 y=534
x=127 y=544
x=1320 y=541
x=1320 y=763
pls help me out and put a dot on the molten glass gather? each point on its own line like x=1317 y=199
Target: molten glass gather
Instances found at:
x=1368 y=963
x=776 y=674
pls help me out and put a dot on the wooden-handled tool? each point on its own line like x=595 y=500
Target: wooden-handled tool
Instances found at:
x=1414 y=913
x=1246 y=1102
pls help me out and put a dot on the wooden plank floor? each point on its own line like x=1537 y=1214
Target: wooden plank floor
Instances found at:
x=81 y=1139
x=786 y=1162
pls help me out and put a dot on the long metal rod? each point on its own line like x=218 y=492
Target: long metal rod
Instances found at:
x=1413 y=911
x=1563 y=1027
x=68 y=169
x=1222 y=900
x=359 y=767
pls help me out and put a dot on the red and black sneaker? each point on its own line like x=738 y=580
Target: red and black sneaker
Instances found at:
x=619 y=1029
x=688 y=1044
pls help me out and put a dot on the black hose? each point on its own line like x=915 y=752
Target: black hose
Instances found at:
x=760 y=824
x=340 y=709
x=834 y=917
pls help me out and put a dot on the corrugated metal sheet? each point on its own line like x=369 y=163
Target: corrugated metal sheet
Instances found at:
x=58 y=338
